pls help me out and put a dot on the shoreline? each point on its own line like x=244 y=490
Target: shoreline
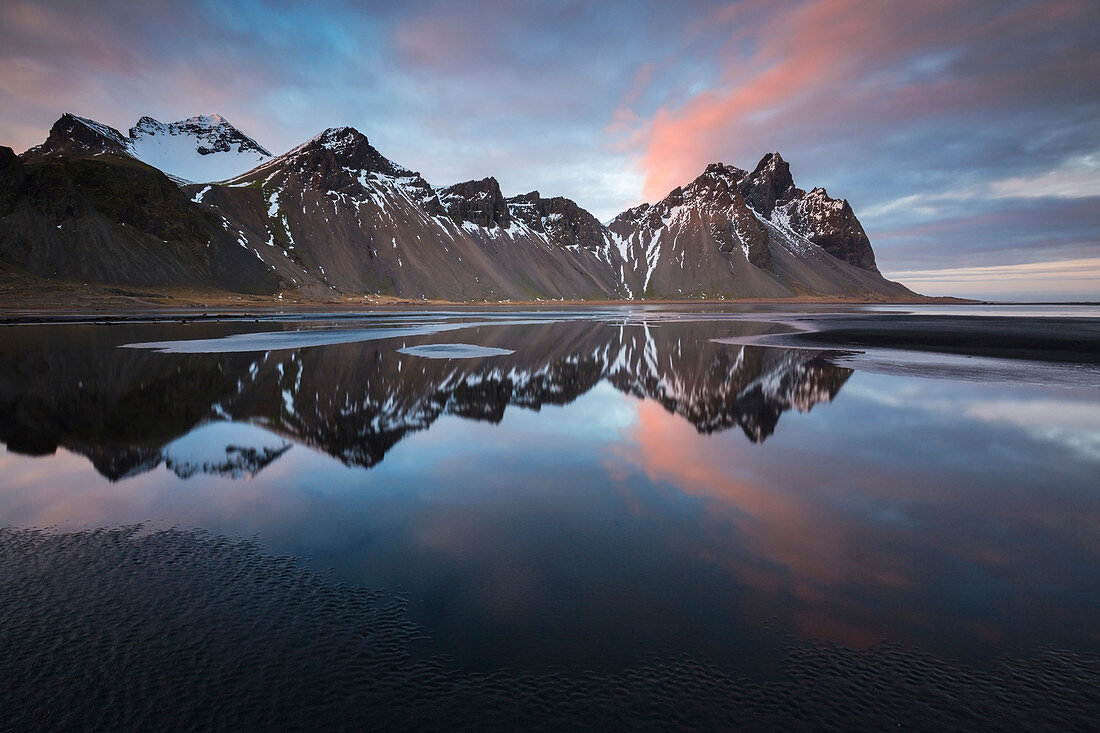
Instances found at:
x=828 y=324
x=20 y=300
x=196 y=307
x=195 y=310
x=1054 y=339
x=21 y=293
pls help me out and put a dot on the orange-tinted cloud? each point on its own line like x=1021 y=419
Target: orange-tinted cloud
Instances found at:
x=835 y=63
x=804 y=53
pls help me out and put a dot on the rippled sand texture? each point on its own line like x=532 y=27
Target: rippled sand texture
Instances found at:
x=127 y=629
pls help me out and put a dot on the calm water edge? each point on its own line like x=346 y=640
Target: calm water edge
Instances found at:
x=633 y=517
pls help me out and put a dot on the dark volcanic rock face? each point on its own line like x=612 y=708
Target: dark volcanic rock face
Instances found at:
x=72 y=135
x=717 y=189
x=114 y=220
x=11 y=178
x=768 y=184
x=8 y=159
x=702 y=240
x=342 y=160
x=349 y=148
x=827 y=222
x=528 y=208
x=832 y=225
x=729 y=173
x=562 y=221
x=478 y=202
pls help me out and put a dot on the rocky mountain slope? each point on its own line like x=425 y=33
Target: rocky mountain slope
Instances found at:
x=354 y=221
x=730 y=233
x=335 y=216
x=108 y=218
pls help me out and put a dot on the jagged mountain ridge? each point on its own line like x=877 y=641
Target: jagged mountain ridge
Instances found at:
x=335 y=216
x=827 y=222
x=752 y=233
x=354 y=221
x=72 y=135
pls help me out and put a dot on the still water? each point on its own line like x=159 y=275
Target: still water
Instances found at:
x=562 y=492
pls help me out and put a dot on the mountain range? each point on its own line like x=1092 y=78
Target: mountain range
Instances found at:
x=199 y=205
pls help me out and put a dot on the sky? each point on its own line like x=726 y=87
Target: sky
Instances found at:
x=965 y=133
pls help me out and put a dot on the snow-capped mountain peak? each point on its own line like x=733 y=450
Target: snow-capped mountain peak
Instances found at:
x=341 y=150
x=338 y=139
x=210 y=120
x=201 y=148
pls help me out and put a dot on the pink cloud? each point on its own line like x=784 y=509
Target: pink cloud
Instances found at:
x=805 y=53
x=828 y=68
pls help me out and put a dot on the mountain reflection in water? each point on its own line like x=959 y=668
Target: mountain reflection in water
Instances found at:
x=355 y=401
x=588 y=499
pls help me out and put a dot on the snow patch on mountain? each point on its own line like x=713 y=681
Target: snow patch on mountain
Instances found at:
x=201 y=149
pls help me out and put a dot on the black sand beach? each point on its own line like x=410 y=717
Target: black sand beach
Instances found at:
x=176 y=630
x=1052 y=339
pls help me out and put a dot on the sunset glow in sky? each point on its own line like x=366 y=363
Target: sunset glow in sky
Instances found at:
x=966 y=134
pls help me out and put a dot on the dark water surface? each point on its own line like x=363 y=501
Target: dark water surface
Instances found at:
x=543 y=518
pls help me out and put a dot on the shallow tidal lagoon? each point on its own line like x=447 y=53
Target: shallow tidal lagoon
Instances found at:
x=636 y=517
